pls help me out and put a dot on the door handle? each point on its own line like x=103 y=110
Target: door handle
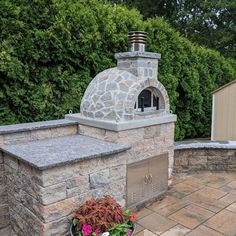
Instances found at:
x=146 y=179
x=150 y=178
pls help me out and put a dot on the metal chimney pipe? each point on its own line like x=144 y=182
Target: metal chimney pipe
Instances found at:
x=137 y=41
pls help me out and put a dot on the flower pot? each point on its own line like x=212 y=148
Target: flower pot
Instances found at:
x=71 y=231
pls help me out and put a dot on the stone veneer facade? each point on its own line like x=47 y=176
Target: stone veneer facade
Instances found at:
x=40 y=201
x=108 y=108
x=15 y=176
x=145 y=142
x=43 y=202
x=113 y=93
x=199 y=159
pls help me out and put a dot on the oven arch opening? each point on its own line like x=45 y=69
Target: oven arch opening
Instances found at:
x=149 y=99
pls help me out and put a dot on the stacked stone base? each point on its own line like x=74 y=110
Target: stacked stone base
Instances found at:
x=145 y=142
x=43 y=202
x=198 y=159
x=13 y=181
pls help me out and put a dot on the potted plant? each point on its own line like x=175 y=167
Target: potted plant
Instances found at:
x=102 y=217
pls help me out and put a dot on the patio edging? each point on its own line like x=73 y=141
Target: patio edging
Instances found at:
x=198 y=156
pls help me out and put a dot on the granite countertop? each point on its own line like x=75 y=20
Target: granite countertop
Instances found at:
x=48 y=153
x=191 y=144
x=8 y=129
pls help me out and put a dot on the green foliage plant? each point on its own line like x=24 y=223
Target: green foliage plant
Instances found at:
x=51 y=49
x=101 y=217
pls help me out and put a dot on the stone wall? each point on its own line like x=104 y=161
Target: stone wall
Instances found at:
x=4 y=220
x=145 y=142
x=43 y=202
x=194 y=159
x=21 y=133
x=37 y=134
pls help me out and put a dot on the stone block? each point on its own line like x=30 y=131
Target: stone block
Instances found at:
x=214 y=152
x=231 y=160
x=151 y=132
x=231 y=153
x=1 y=158
x=64 y=131
x=99 y=179
x=59 y=210
x=117 y=189
x=217 y=167
x=184 y=153
x=231 y=167
x=198 y=160
x=6 y=231
x=181 y=161
x=31 y=203
x=1 y=140
x=4 y=217
x=100 y=192
x=77 y=185
x=77 y=181
x=82 y=198
x=55 y=175
x=92 y=132
x=17 y=224
x=41 y=134
x=218 y=160
x=52 y=193
x=111 y=136
x=73 y=192
x=11 y=162
x=15 y=138
x=199 y=152
x=117 y=172
x=28 y=222
x=58 y=227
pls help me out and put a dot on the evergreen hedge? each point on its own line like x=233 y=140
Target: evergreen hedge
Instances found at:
x=51 y=49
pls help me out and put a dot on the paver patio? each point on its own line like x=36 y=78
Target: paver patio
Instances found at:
x=200 y=204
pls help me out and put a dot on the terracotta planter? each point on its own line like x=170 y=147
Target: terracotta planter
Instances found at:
x=71 y=229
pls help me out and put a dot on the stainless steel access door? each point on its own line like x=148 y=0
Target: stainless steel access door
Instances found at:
x=146 y=179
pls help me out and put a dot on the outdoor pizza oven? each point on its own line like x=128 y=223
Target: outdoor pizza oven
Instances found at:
x=128 y=104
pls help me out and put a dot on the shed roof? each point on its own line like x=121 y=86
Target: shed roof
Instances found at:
x=224 y=86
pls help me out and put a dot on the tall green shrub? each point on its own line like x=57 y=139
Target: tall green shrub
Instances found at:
x=51 y=49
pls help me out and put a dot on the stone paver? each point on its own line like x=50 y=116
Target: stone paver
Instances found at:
x=177 y=230
x=199 y=204
x=191 y=216
x=203 y=230
x=156 y=223
x=224 y=222
x=232 y=207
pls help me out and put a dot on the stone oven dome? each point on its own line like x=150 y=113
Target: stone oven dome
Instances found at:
x=128 y=96
x=113 y=95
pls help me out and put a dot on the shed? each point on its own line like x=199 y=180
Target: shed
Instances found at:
x=224 y=113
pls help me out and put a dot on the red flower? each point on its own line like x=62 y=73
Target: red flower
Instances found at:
x=132 y=218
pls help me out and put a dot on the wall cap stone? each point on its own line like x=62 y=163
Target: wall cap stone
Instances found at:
x=123 y=55
x=121 y=125
x=9 y=129
x=49 y=153
x=205 y=144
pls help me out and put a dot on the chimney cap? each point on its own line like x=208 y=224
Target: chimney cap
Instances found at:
x=137 y=40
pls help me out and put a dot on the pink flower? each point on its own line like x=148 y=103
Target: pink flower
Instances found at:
x=132 y=218
x=130 y=231
x=118 y=218
x=97 y=231
x=87 y=230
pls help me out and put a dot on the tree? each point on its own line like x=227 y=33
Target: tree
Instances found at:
x=51 y=49
x=211 y=23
